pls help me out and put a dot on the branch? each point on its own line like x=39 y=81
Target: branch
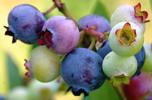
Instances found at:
x=120 y=93
x=62 y=8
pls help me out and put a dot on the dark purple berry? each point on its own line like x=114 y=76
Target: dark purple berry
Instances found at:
x=99 y=22
x=104 y=49
x=25 y=22
x=82 y=70
x=140 y=56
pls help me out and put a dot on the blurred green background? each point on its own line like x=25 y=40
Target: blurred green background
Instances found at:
x=14 y=54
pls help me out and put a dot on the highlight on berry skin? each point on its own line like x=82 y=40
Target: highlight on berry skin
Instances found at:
x=126 y=35
x=142 y=15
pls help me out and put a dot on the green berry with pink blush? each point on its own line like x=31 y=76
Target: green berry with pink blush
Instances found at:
x=129 y=13
x=43 y=64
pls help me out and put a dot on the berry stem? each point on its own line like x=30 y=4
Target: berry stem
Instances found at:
x=120 y=93
x=107 y=33
x=62 y=8
x=93 y=34
x=99 y=34
x=93 y=39
x=49 y=10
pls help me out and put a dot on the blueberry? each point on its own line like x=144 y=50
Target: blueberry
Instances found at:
x=2 y=98
x=82 y=70
x=100 y=22
x=25 y=22
x=104 y=49
x=140 y=56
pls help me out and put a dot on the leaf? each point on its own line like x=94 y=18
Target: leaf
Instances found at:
x=151 y=3
x=34 y=46
x=105 y=92
x=86 y=98
x=13 y=73
x=100 y=9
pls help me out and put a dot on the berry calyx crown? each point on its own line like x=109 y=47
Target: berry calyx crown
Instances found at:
x=117 y=80
x=46 y=38
x=126 y=35
x=141 y=15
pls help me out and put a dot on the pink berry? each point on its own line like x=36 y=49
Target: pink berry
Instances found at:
x=59 y=34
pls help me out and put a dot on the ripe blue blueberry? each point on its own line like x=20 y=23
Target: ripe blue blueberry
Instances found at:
x=25 y=22
x=82 y=70
x=99 y=22
x=140 y=56
x=104 y=49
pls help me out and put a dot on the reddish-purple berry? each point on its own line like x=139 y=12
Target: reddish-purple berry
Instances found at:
x=139 y=88
x=25 y=22
x=60 y=34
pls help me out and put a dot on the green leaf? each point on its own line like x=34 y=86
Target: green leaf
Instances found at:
x=13 y=73
x=105 y=92
x=151 y=3
x=86 y=98
x=34 y=46
x=100 y=9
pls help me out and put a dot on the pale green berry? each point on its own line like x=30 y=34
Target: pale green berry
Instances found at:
x=126 y=39
x=18 y=93
x=119 y=69
x=42 y=91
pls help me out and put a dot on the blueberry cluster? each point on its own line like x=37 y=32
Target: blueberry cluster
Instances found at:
x=126 y=41
x=84 y=53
